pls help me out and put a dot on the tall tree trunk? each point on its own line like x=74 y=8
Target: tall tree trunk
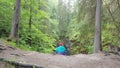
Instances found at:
x=68 y=46
x=15 y=22
x=30 y=24
x=97 y=36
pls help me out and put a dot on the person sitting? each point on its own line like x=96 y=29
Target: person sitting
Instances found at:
x=61 y=49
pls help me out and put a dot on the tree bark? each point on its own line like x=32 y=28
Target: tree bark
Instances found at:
x=15 y=22
x=97 y=36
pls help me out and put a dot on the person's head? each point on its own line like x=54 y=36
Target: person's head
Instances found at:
x=61 y=44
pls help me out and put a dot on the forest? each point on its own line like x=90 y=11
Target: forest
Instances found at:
x=85 y=26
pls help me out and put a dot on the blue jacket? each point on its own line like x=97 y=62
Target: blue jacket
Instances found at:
x=60 y=49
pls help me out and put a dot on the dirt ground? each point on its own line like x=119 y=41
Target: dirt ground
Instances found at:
x=59 y=61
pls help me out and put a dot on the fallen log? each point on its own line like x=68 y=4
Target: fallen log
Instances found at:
x=18 y=64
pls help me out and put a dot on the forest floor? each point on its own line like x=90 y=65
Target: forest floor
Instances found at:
x=59 y=61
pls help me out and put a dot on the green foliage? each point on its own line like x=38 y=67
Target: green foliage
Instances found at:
x=49 y=20
x=5 y=17
x=40 y=41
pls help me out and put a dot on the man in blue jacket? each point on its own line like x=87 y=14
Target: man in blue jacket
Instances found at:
x=61 y=49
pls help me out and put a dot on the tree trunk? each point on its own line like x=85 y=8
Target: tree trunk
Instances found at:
x=30 y=25
x=97 y=36
x=15 y=22
x=68 y=46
